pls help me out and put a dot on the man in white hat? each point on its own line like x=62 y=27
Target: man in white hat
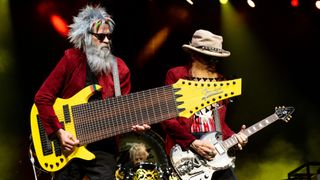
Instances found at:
x=206 y=51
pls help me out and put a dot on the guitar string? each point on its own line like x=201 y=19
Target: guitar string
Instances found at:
x=143 y=114
x=251 y=130
x=121 y=104
x=85 y=129
x=81 y=119
x=95 y=107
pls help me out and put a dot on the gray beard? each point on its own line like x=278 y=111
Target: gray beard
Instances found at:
x=99 y=59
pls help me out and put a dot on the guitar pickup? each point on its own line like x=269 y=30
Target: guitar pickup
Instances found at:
x=219 y=148
x=44 y=139
x=57 y=147
x=66 y=113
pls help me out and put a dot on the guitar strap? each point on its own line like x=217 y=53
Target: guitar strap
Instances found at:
x=92 y=79
x=217 y=123
x=115 y=74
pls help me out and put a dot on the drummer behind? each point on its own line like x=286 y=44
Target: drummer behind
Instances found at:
x=138 y=153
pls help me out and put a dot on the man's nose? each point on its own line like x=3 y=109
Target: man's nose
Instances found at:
x=106 y=40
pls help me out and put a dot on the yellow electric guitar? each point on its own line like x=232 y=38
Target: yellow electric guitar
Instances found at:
x=93 y=121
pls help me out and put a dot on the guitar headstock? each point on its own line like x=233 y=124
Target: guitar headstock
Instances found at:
x=284 y=113
x=192 y=96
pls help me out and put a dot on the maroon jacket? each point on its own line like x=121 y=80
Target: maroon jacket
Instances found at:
x=178 y=129
x=67 y=79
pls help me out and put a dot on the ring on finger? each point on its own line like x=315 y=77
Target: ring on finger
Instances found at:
x=211 y=153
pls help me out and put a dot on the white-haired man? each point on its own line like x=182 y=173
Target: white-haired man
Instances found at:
x=89 y=62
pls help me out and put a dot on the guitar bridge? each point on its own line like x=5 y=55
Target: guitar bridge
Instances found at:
x=193 y=174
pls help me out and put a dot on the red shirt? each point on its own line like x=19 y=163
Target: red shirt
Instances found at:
x=67 y=79
x=178 y=130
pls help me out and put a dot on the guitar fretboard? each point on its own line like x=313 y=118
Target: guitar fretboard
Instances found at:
x=101 y=119
x=228 y=143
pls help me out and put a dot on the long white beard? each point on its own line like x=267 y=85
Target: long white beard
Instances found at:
x=99 y=59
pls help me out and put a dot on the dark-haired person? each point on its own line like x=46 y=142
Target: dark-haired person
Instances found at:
x=90 y=61
x=205 y=52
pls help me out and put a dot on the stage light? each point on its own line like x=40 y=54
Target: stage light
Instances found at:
x=251 y=3
x=294 y=3
x=190 y=2
x=153 y=45
x=59 y=24
x=318 y=4
x=223 y=1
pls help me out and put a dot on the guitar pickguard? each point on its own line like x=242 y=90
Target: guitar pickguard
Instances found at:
x=190 y=165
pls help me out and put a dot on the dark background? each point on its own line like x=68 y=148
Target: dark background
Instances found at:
x=274 y=49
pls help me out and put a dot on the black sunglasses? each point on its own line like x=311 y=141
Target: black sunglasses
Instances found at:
x=101 y=36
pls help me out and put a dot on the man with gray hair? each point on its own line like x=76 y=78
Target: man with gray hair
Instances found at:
x=90 y=61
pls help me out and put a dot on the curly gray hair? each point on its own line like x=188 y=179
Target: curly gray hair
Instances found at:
x=83 y=22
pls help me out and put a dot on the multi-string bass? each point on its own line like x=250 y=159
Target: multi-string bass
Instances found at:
x=96 y=120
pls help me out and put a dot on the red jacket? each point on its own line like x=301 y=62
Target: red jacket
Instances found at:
x=178 y=130
x=67 y=79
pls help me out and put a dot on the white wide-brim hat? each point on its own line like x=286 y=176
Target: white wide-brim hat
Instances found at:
x=207 y=43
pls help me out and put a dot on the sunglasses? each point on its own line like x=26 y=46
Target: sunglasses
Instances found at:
x=101 y=36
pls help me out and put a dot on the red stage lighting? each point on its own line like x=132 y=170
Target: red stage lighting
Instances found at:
x=294 y=3
x=59 y=24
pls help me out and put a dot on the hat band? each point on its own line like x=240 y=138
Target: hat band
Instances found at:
x=212 y=49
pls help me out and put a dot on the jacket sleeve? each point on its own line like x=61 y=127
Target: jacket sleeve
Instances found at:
x=177 y=128
x=47 y=94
